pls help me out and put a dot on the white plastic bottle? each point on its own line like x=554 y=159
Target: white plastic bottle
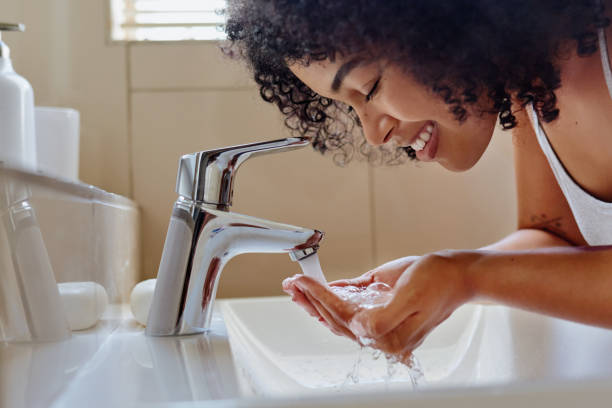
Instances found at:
x=17 y=135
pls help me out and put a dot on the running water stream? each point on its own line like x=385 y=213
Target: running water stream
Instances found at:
x=312 y=268
x=374 y=295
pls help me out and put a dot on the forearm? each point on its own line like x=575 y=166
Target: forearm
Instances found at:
x=573 y=283
x=527 y=239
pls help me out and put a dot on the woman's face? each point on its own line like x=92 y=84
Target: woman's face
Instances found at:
x=392 y=106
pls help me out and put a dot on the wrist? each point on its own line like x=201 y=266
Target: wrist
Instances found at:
x=464 y=265
x=473 y=272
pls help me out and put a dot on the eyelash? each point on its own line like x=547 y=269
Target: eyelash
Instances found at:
x=368 y=97
x=355 y=117
x=373 y=90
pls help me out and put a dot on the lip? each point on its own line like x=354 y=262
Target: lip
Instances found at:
x=431 y=148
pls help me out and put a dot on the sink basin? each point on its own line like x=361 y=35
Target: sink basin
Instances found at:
x=266 y=352
x=308 y=358
x=280 y=350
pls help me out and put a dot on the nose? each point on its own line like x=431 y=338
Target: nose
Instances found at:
x=376 y=125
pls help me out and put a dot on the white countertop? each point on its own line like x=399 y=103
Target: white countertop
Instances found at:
x=115 y=364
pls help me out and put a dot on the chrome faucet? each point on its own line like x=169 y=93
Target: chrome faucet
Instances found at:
x=203 y=236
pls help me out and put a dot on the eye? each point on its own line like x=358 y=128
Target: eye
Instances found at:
x=353 y=114
x=372 y=92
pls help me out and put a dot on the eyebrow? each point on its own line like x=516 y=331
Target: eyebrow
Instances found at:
x=343 y=71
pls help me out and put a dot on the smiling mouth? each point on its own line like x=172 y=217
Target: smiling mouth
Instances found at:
x=423 y=145
x=422 y=138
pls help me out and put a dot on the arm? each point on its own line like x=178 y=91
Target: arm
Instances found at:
x=544 y=217
x=544 y=267
x=570 y=283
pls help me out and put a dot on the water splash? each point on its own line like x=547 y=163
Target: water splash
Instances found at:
x=353 y=375
x=415 y=371
x=393 y=370
x=374 y=295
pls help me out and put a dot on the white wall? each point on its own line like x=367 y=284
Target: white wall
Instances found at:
x=143 y=105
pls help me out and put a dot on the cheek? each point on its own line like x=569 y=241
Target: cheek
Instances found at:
x=416 y=105
x=408 y=100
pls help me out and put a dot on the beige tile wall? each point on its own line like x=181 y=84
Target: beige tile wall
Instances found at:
x=170 y=118
x=423 y=207
x=143 y=105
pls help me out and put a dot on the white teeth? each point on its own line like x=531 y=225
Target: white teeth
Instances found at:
x=418 y=145
x=422 y=139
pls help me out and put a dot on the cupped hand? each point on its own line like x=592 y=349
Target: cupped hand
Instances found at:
x=387 y=273
x=424 y=296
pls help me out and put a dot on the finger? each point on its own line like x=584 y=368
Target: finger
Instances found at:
x=298 y=297
x=406 y=357
x=403 y=339
x=363 y=280
x=289 y=283
x=341 y=310
x=303 y=302
x=329 y=320
x=378 y=321
x=388 y=276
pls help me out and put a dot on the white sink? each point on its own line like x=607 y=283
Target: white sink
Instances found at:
x=54 y=231
x=482 y=356
x=280 y=351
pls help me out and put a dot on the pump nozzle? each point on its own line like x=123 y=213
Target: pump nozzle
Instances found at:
x=4 y=50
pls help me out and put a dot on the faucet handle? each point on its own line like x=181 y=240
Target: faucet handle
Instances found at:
x=208 y=176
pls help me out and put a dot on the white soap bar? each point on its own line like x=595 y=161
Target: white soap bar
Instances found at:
x=140 y=300
x=84 y=303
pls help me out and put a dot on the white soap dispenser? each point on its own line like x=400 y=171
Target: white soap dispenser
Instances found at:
x=17 y=135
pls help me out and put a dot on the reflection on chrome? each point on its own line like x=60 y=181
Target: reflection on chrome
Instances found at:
x=30 y=304
x=203 y=236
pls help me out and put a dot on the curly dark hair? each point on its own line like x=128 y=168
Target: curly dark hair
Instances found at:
x=465 y=51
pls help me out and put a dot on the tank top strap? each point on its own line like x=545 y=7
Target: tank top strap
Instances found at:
x=605 y=60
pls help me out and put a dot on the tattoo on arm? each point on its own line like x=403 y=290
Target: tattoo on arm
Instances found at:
x=552 y=225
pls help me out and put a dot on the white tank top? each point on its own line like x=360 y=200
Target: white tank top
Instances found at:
x=593 y=216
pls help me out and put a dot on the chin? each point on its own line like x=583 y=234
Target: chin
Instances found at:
x=457 y=167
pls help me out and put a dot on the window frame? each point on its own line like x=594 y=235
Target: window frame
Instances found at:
x=120 y=19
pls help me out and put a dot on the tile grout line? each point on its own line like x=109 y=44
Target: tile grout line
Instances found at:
x=195 y=89
x=130 y=144
x=372 y=203
x=130 y=147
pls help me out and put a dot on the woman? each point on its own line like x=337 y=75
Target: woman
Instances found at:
x=432 y=78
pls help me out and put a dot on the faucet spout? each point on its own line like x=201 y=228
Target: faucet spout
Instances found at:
x=203 y=235
x=201 y=240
